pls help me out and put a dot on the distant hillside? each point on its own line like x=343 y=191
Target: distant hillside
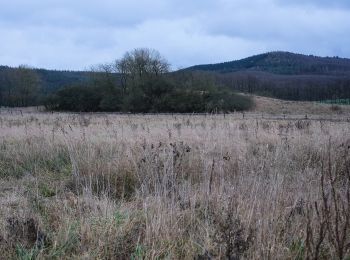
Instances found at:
x=260 y=66
x=51 y=80
x=285 y=63
x=282 y=75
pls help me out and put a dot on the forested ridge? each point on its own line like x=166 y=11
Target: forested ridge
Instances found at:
x=285 y=75
x=284 y=63
x=125 y=86
x=51 y=80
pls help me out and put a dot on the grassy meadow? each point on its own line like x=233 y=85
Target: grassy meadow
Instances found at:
x=112 y=186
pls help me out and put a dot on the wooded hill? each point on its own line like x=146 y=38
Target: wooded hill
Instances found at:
x=51 y=80
x=282 y=75
x=283 y=63
x=285 y=75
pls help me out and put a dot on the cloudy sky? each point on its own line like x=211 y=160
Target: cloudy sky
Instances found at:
x=75 y=34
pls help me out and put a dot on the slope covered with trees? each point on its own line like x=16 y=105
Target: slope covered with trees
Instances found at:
x=121 y=87
x=285 y=75
x=25 y=86
x=19 y=87
x=284 y=63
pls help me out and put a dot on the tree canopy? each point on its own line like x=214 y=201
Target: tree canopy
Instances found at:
x=20 y=87
x=140 y=82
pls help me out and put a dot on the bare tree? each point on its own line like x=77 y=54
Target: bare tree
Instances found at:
x=122 y=68
x=102 y=75
x=139 y=65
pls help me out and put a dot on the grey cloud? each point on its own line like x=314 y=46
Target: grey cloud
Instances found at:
x=76 y=34
x=281 y=23
x=97 y=13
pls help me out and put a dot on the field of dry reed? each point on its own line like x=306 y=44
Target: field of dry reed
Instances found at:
x=107 y=186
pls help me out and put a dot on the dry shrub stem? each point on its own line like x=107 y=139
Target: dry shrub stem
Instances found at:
x=333 y=219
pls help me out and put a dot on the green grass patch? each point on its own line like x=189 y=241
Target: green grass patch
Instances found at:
x=19 y=159
x=342 y=101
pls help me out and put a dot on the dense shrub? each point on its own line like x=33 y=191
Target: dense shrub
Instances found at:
x=159 y=95
x=75 y=98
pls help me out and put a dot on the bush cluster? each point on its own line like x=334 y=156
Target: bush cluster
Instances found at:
x=140 y=82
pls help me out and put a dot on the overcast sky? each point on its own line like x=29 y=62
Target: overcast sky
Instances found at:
x=75 y=34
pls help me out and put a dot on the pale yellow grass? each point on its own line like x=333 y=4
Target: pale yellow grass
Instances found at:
x=278 y=106
x=107 y=186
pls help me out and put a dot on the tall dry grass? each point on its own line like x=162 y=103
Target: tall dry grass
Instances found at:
x=103 y=186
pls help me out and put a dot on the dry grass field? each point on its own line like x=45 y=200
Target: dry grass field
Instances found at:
x=108 y=186
x=277 y=106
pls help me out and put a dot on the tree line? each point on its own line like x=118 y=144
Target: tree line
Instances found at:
x=141 y=82
x=19 y=87
x=296 y=87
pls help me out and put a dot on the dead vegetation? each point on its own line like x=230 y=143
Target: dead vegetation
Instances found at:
x=104 y=186
x=277 y=106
